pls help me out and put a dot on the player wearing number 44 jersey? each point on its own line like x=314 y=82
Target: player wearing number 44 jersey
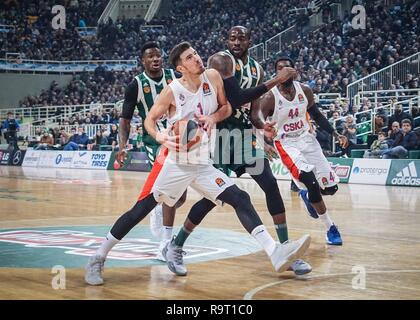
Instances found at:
x=288 y=105
x=199 y=95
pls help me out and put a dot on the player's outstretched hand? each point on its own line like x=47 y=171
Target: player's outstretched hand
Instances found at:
x=285 y=74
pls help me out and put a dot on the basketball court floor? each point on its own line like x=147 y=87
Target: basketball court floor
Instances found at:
x=51 y=220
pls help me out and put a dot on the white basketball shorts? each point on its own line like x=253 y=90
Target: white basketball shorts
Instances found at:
x=305 y=154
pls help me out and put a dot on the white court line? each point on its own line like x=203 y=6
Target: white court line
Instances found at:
x=59 y=218
x=345 y=234
x=250 y=294
x=231 y=229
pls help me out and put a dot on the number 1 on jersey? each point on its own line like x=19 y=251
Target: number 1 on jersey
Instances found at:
x=200 y=108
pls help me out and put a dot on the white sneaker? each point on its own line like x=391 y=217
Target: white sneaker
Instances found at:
x=286 y=253
x=94 y=269
x=300 y=267
x=156 y=221
x=174 y=258
x=162 y=245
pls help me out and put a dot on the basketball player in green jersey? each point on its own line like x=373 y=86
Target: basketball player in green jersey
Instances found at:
x=235 y=64
x=248 y=73
x=142 y=93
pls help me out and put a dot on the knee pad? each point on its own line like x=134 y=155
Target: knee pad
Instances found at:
x=310 y=182
x=329 y=191
x=271 y=184
x=274 y=199
x=199 y=210
x=242 y=197
x=236 y=197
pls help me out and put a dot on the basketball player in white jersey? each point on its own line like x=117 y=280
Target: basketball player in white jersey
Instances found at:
x=199 y=95
x=288 y=105
x=145 y=90
x=242 y=76
x=142 y=93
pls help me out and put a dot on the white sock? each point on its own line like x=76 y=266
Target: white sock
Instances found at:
x=326 y=219
x=106 y=246
x=264 y=238
x=166 y=233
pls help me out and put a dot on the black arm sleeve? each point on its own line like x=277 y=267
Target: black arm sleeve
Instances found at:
x=130 y=100
x=238 y=96
x=319 y=118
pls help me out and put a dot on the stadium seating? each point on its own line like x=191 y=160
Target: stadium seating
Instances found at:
x=348 y=54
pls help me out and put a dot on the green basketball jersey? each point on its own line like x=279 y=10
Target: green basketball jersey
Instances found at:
x=248 y=75
x=148 y=92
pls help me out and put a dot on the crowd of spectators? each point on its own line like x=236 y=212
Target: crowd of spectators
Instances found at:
x=393 y=136
x=204 y=23
x=336 y=55
x=34 y=37
x=102 y=86
x=71 y=138
x=328 y=59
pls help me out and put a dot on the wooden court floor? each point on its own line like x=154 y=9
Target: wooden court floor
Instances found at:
x=380 y=258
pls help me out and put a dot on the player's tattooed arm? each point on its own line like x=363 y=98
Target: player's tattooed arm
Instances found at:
x=130 y=101
x=123 y=132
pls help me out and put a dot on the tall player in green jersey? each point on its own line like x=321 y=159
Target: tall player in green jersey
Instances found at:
x=142 y=93
x=148 y=85
x=249 y=73
x=244 y=156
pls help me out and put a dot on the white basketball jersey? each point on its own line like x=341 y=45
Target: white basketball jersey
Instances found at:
x=291 y=116
x=188 y=104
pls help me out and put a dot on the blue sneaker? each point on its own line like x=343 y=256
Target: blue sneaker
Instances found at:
x=311 y=210
x=333 y=237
